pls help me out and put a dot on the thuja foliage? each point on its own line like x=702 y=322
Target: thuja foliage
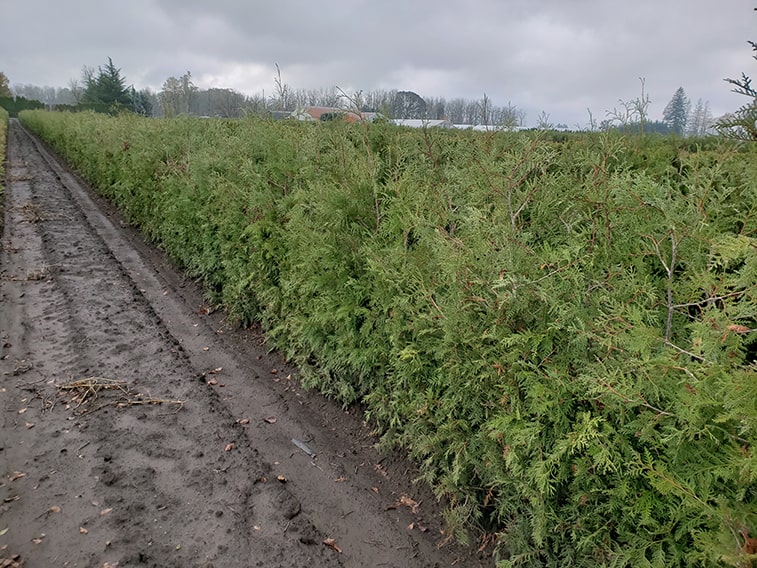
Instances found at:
x=561 y=332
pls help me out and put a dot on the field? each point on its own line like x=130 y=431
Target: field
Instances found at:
x=560 y=328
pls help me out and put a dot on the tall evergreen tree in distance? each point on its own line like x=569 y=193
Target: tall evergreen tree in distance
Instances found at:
x=106 y=87
x=677 y=111
x=140 y=101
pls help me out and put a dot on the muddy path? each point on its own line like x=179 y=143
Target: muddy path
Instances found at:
x=139 y=430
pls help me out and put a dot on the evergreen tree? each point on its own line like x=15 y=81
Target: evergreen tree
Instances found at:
x=106 y=87
x=141 y=102
x=677 y=111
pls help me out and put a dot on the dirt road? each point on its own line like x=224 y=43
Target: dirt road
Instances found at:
x=139 y=430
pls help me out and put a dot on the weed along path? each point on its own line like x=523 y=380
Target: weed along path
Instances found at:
x=139 y=430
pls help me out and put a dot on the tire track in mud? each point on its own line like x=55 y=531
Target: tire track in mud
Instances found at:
x=173 y=495
x=167 y=485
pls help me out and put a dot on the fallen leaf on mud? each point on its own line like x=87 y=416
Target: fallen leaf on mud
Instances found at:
x=16 y=475
x=411 y=526
x=408 y=502
x=243 y=421
x=340 y=479
x=82 y=530
x=206 y=348
x=213 y=382
x=54 y=509
x=22 y=411
x=106 y=511
x=274 y=371
x=3 y=531
x=270 y=420
x=10 y=500
x=331 y=543
x=228 y=447
x=29 y=425
x=256 y=527
x=375 y=489
x=215 y=371
x=281 y=478
x=38 y=540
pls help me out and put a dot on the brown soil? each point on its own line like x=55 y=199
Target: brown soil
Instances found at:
x=139 y=430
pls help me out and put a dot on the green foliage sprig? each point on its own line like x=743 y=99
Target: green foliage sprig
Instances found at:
x=742 y=125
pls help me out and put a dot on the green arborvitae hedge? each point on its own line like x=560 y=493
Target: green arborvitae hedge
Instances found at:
x=561 y=331
x=15 y=105
x=3 y=132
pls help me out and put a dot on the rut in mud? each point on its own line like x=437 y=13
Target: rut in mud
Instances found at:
x=139 y=430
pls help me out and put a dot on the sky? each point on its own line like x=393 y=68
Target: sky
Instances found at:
x=555 y=58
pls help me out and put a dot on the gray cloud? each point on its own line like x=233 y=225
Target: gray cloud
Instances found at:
x=554 y=56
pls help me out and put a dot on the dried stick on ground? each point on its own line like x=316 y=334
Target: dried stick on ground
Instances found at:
x=87 y=390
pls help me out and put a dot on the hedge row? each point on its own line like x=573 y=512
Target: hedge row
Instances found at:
x=3 y=132
x=14 y=105
x=562 y=331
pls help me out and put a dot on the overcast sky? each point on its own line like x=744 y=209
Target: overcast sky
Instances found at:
x=554 y=56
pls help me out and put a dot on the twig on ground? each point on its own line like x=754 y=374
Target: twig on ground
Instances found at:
x=87 y=391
